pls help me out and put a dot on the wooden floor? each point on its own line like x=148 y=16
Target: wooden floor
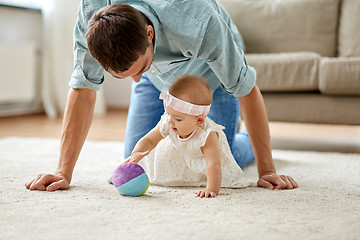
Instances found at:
x=111 y=127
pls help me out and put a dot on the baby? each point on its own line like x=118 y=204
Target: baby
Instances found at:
x=189 y=148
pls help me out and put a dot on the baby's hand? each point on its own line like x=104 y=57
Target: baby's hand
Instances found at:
x=137 y=156
x=207 y=193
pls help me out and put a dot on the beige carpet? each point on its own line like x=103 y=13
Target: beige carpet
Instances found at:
x=325 y=206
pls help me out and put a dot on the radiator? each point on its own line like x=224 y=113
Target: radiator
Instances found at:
x=17 y=72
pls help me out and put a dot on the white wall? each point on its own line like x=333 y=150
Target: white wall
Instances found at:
x=117 y=91
x=21 y=27
x=59 y=18
x=17 y=24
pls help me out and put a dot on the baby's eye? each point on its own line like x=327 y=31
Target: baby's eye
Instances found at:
x=178 y=119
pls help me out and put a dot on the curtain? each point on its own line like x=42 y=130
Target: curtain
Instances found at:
x=59 y=18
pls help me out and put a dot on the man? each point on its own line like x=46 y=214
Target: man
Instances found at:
x=153 y=42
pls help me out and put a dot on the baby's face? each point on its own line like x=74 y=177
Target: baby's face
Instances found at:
x=182 y=124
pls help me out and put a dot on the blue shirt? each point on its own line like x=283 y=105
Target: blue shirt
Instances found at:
x=191 y=37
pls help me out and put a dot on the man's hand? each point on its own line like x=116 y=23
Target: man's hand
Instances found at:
x=48 y=182
x=275 y=181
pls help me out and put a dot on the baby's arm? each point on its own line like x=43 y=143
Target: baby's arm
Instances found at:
x=146 y=144
x=211 y=151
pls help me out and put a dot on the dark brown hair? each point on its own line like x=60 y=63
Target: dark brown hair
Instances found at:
x=117 y=36
x=193 y=89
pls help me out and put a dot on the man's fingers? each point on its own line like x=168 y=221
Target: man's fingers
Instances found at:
x=275 y=180
x=42 y=181
x=34 y=183
x=62 y=185
x=265 y=184
x=287 y=182
x=28 y=184
x=38 y=185
x=293 y=182
x=290 y=182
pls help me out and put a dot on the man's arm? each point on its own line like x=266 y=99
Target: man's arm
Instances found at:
x=76 y=124
x=256 y=121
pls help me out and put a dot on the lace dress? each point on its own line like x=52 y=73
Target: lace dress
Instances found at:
x=180 y=162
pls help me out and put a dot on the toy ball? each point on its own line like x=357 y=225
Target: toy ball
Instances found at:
x=130 y=179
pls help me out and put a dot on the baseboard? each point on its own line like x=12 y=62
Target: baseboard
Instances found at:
x=12 y=109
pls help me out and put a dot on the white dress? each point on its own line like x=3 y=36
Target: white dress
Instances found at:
x=180 y=162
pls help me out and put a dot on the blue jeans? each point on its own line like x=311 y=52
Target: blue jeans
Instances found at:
x=146 y=109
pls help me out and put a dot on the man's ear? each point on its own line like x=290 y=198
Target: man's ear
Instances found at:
x=150 y=32
x=200 y=120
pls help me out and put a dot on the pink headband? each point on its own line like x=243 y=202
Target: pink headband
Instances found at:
x=182 y=106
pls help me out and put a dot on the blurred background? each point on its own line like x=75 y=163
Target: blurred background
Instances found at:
x=36 y=61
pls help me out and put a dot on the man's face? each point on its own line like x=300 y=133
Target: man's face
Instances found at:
x=138 y=68
x=142 y=64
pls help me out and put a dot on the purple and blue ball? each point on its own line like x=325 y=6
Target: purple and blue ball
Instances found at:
x=130 y=179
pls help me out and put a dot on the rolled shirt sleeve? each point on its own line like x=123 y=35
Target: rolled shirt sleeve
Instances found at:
x=87 y=72
x=223 y=53
x=208 y=39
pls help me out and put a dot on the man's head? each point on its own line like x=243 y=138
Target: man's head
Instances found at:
x=120 y=39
